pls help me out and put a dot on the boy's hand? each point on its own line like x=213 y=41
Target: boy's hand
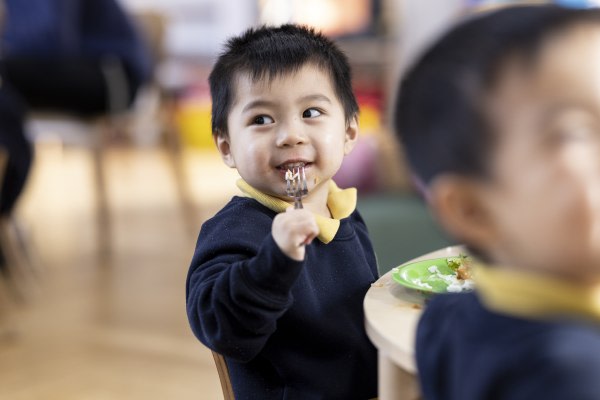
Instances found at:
x=294 y=229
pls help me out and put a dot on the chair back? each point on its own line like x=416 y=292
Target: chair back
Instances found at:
x=223 y=372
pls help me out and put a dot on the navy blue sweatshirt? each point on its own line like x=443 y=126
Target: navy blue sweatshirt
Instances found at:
x=466 y=352
x=288 y=329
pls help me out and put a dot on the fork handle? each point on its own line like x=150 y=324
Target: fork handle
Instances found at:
x=297 y=203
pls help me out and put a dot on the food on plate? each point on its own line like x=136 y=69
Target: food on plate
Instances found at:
x=454 y=284
x=462 y=280
x=461 y=265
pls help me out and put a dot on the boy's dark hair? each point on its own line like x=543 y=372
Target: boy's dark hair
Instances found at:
x=269 y=52
x=440 y=111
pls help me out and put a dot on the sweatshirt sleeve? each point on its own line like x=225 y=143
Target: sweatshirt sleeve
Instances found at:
x=239 y=283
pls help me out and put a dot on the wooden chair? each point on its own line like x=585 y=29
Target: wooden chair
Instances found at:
x=223 y=372
x=94 y=134
x=97 y=134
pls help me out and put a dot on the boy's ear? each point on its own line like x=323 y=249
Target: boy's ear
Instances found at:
x=222 y=142
x=458 y=206
x=351 y=135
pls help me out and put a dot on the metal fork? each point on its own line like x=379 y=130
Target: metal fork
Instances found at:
x=296 y=186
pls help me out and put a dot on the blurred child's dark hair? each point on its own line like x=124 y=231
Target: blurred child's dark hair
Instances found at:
x=440 y=110
x=269 y=52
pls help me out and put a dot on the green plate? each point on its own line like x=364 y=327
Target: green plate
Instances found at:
x=418 y=275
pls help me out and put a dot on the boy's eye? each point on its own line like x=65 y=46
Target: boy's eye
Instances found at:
x=577 y=133
x=262 y=120
x=575 y=126
x=311 y=113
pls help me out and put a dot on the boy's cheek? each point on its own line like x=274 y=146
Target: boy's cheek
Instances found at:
x=584 y=165
x=572 y=230
x=592 y=193
x=545 y=219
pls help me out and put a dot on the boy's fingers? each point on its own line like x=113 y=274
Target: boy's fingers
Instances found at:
x=302 y=226
x=309 y=239
x=307 y=242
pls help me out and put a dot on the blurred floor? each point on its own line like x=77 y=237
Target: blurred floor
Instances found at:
x=109 y=326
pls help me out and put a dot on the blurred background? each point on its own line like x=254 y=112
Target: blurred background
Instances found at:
x=97 y=247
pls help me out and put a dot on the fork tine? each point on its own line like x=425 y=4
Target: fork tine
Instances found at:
x=304 y=186
x=289 y=182
x=296 y=185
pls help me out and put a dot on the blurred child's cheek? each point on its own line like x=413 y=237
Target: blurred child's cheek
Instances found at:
x=583 y=159
x=593 y=194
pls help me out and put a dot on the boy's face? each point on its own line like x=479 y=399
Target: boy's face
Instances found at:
x=292 y=118
x=542 y=204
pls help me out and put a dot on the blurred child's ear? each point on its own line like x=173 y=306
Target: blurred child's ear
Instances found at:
x=222 y=142
x=458 y=206
x=351 y=135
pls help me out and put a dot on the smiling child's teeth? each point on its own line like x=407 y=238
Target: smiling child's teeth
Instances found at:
x=293 y=165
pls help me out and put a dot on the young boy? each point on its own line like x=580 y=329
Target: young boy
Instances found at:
x=278 y=291
x=501 y=122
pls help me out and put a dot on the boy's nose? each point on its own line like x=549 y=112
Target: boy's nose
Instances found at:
x=290 y=136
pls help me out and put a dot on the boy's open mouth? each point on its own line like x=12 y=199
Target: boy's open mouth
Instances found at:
x=291 y=165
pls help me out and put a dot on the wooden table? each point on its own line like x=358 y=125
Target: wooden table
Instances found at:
x=391 y=315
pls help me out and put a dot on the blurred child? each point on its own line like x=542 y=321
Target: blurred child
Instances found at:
x=62 y=56
x=278 y=291
x=500 y=120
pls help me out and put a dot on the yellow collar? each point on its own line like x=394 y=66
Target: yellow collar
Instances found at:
x=341 y=203
x=527 y=294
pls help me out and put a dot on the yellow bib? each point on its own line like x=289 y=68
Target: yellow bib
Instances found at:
x=527 y=294
x=341 y=203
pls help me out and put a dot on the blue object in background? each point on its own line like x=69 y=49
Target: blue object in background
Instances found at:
x=577 y=3
x=564 y=3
